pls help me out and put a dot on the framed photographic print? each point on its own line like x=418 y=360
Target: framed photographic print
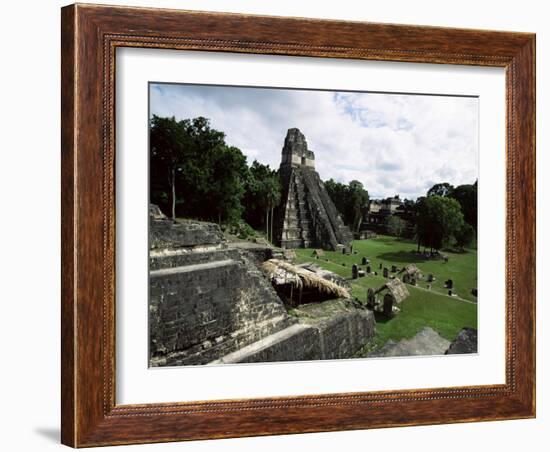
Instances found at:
x=281 y=225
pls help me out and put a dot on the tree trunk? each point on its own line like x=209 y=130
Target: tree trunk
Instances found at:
x=173 y=184
x=271 y=224
x=267 y=223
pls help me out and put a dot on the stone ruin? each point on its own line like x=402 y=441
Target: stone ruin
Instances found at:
x=205 y=298
x=304 y=283
x=411 y=274
x=318 y=253
x=465 y=342
x=393 y=291
x=209 y=303
x=307 y=217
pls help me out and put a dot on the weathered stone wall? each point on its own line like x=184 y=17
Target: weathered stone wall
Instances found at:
x=329 y=330
x=210 y=303
x=178 y=258
x=337 y=338
x=206 y=299
x=167 y=234
x=203 y=311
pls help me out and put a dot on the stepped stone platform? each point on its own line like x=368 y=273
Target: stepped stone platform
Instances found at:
x=307 y=216
x=209 y=302
x=206 y=299
x=332 y=329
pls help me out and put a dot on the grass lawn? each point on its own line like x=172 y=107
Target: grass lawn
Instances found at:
x=433 y=308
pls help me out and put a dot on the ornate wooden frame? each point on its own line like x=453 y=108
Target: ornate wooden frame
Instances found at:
x=90 y=35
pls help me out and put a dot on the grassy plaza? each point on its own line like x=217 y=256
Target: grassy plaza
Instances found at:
x=425 y=307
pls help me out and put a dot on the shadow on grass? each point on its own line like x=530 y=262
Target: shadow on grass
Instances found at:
x=403 y=256
x=381 y=318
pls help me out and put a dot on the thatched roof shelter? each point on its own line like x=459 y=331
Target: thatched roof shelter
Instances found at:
x=411 y=274
x=282 y=273
x=325 y=274
x=395 y=293
x=412 y=270
x=394 y=287
x=397 y=289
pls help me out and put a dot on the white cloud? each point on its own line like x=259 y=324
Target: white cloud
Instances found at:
x=392 y=143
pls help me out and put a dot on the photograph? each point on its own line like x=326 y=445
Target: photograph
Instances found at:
x=276 y=225
x=298 y=224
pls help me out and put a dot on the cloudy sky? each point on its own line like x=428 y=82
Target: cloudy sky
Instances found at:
x=392 y=143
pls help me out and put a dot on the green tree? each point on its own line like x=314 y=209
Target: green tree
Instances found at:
x=442 y=189
x=357 y=202
x=439 y=218
x=409 y=204
x=168 y=144
x=350 y=201
x=197 y=181
x=253 y=199
x=262 y=194
x=273 y=198
x=466 y=195
x=338 y=193
x=193 y=172
x=227 y=185
x=465 y=235
x=395 y=225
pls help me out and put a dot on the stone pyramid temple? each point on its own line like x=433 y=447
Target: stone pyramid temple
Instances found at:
x=307 y=217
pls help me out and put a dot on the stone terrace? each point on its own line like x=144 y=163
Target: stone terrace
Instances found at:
x=209 y=304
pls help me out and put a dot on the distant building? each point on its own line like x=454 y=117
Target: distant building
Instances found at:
x=378 y=211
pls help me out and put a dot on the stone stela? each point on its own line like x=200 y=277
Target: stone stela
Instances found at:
x=307 y=217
